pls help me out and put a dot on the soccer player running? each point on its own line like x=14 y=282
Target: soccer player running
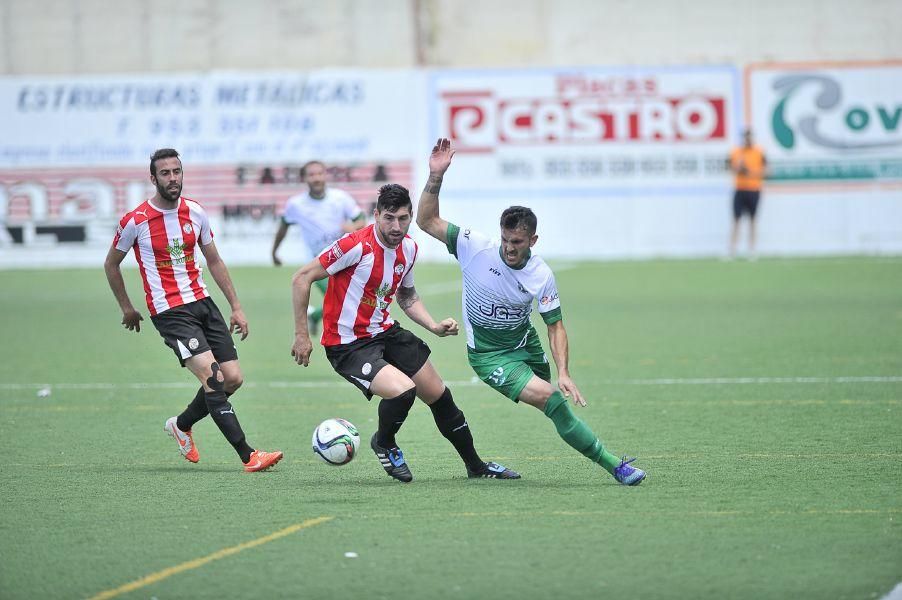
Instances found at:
x=500 y=284
x=165 y=233
x=324 y=214
x=366 y=270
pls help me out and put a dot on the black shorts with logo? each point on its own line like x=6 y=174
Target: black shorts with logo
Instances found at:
x=745 y=201
x=359 y=361
x=194 y=328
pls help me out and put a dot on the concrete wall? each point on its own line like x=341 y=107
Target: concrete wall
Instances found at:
x=97 y=36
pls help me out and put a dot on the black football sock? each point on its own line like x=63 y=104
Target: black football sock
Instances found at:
x=392 y=413
x=453 y=425
x=195 y=411
x=224 y=416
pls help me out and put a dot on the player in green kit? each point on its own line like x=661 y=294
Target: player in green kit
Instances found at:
x=500 y=284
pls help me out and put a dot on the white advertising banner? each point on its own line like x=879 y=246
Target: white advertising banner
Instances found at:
x=828 y=122
x=217 y=118
x=614 y=161
x=558 y=131
x=74 y=154
x=832 y=133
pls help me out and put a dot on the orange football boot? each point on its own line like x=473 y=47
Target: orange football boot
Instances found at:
x=260 y=460
x=184 y=439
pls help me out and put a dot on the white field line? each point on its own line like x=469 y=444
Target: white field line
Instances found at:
x=154 y=385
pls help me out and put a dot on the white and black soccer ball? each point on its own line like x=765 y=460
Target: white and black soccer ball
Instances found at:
x=336 y=441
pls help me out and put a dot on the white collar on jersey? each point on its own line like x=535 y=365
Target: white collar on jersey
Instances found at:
x=165 y=210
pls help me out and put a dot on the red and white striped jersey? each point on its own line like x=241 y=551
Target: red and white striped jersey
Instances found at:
x=165 y=242
x=364 y=277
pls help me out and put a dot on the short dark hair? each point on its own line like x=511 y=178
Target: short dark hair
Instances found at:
x=519 y=217
x=161 y=153
x=311 y=162
x=392 y=197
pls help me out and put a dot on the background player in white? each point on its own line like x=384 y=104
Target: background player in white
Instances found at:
x=500 y=284
x=165 y=232
x=323 y=214
x=365 y=270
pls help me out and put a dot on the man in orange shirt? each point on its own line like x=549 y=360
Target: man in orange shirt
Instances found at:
x=750 y=166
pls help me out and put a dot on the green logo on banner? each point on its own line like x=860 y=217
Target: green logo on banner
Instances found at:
x=810 y=120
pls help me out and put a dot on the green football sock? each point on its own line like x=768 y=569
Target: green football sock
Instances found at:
x=576 y=433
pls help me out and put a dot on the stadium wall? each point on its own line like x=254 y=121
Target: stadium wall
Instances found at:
x=618 y=161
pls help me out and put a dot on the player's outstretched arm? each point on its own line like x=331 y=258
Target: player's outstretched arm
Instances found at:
x=428 y=218
x=560 y=351
x=277 y=241
x=413 y=307
x=131 y=318
x=301 y=282
x=358 y=222
x=217 y=267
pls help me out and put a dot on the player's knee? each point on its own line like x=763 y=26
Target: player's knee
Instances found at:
x=390 y=383
x=216 y=380
x=233 y=383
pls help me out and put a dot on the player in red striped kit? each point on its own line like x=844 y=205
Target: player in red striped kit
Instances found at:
x=366 y=270
x=165 y=233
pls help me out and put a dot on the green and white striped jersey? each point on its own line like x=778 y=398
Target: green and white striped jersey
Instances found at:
x=498 y=299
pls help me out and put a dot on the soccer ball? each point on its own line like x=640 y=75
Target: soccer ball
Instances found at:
x=336 y=441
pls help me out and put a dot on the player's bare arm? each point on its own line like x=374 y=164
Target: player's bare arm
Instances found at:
x=237 y=322
x=560 y=351
x=301 y=282
x=413 y=307
x=428 y=218
x=131 y=318
x=280 y=235
x=359 y=222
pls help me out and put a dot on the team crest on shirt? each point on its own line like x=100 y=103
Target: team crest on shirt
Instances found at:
x=187 y=228
x=399 y=269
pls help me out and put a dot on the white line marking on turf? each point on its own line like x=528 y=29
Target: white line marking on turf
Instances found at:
x=755 y=380
x=155 y=385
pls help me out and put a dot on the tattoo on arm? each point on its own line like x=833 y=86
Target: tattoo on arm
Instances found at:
x=434 y=184
x=407 y=297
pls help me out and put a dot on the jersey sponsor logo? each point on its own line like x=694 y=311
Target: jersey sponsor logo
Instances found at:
x=499 y=311
x=549 y=299
x=187 y=228
x=495 y=271
x=379 y=301
x=176 y=250
x=141 y=212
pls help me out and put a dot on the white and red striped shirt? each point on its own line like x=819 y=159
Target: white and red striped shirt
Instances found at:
x=165 y=242
x=364 y=277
